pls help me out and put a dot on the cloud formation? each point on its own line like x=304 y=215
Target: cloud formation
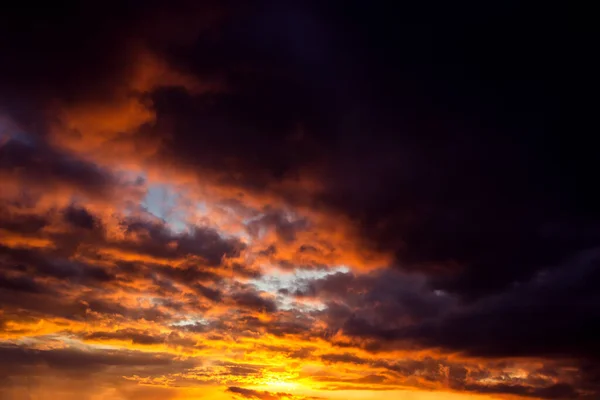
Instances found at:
x=296 y=200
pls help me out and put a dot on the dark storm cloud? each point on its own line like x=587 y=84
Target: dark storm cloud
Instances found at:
x=77 y=53
x=64 y=41
x=556 y=305
x=441 y=157
x=440 y=136
x=455 y=175
x=35 y=163
x=450 y=161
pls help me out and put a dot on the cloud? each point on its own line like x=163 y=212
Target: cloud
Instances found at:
x=36 y=164
x=156 y=239
x=17 y=359
x=284 y=226
x=244 y=393
x=132 y=335
x=558 y=391
x=253 y=301
x=80 y=218
x=21 y=284
x=424 y=156
x=553 y=305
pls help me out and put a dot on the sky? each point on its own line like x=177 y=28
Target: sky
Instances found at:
x=298 y=200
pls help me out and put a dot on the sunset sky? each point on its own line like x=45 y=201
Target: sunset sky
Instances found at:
x=297 y=200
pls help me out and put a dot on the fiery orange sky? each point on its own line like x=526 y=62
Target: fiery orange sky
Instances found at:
x=289 y=200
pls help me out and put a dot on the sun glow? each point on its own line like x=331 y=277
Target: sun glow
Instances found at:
x=280 y=381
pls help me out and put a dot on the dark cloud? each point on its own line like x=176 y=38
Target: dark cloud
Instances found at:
x=22 y=223
x=209 y=293
x=558 y=391
x=17 y=357
x=456 y=141
x=68 y=278
x=81 y=369
x=28 y=299
x=440 y=157
x=555 y=305
x=157 y=239
x=472 y=189
x=253 y=301
x=21 y=284
x=64 y=41
x=80 y=218
x=192 y=273
x=385 y=298
x=88 y=53
x=132 y=335
x=40 y=264
x=35 y=163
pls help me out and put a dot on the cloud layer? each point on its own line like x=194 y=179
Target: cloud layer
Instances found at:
x=295 y=200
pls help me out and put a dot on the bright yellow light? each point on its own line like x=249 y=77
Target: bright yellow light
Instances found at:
x=280 y=385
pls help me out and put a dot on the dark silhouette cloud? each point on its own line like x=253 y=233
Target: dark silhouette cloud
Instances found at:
x=80 y=217
x=554 y=305
x=36 y=164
